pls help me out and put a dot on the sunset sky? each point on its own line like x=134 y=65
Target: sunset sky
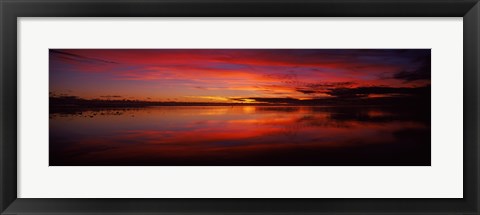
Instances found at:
x=236 y=75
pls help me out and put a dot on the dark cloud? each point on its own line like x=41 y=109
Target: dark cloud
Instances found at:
x=422 y=72
x=111 y=96
x=306 y=91
x=342 y=95
x=321 y=87
x=70 y=56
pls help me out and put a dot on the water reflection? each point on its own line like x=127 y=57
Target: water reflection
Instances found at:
x=241 y=135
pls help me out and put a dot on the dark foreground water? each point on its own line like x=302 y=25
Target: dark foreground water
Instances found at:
x=241 y=135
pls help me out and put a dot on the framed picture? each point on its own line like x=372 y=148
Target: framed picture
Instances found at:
x=157 y=107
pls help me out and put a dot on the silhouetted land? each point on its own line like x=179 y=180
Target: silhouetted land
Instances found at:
x=414 y=97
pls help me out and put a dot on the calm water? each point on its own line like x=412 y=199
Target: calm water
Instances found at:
x=241 y=135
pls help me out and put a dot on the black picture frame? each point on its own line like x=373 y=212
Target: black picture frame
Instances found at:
x=10 y=10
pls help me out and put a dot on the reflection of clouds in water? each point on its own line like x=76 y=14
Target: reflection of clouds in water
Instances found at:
x=268 y=124
x=180 y=132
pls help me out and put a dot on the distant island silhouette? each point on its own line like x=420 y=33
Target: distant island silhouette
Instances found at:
x=419 y=97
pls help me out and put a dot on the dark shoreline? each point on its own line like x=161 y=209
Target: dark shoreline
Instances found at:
x=75 y=102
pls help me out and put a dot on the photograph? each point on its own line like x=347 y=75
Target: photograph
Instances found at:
x=239 y=107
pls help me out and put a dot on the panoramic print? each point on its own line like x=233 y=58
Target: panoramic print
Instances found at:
x=239 y=107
